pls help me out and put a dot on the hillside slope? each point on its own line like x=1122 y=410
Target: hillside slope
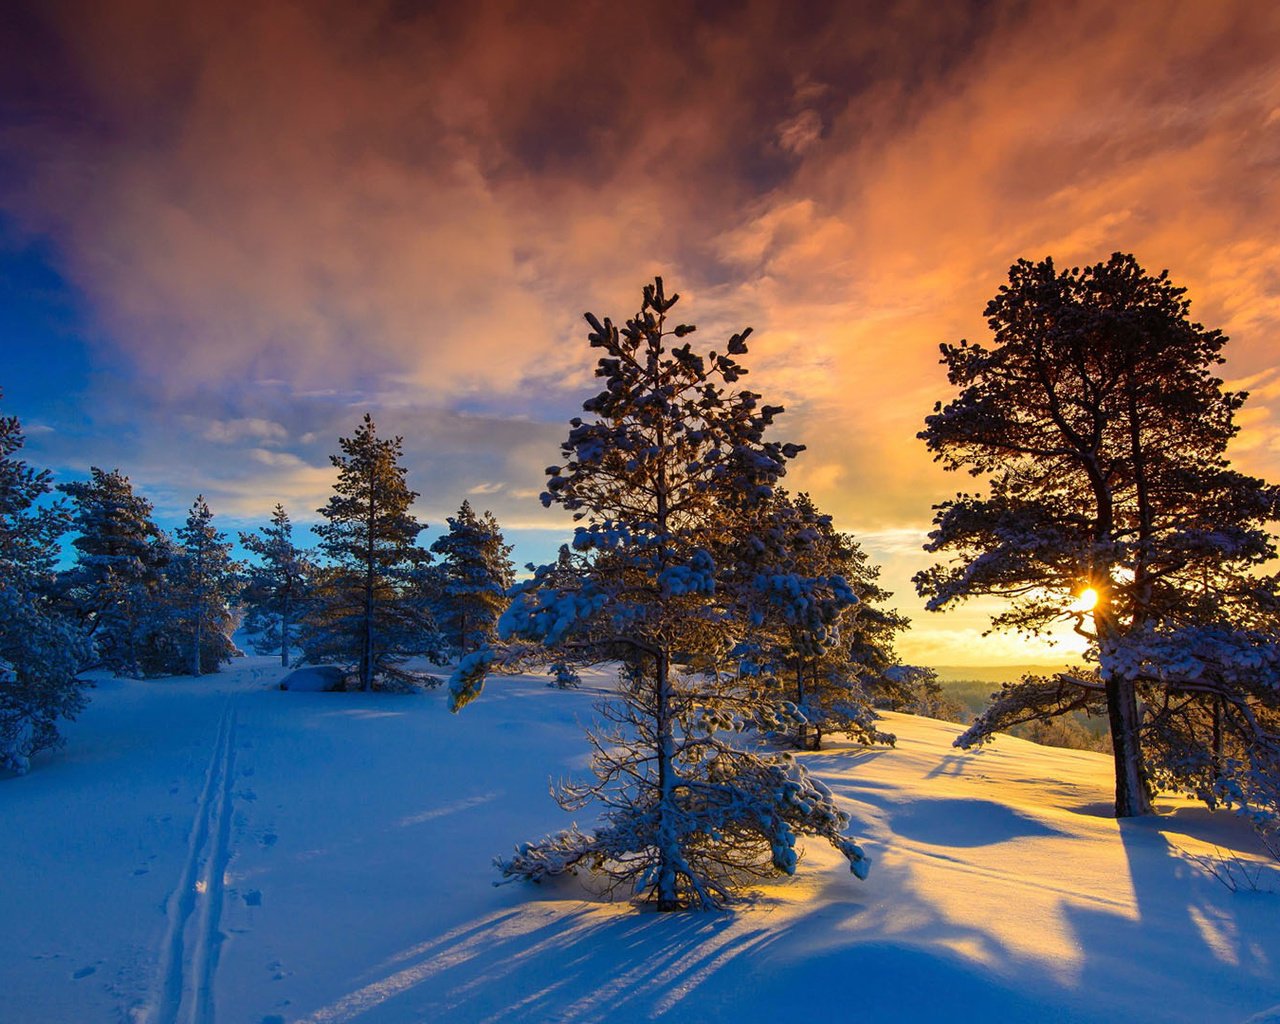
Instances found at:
x=221 y=850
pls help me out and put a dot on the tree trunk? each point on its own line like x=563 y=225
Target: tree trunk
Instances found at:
x=284 y=635
x=1217 y=735
x=668 y=849
x=366 y=649
x=195 y=652
x=1122 y=711
x=802 y=731
x=669 y=855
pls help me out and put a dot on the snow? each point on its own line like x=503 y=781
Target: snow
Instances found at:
x=220 y=850
x=312 y=679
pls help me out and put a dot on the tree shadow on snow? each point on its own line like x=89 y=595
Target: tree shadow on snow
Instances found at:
x=544 y=962
x=1225 y=945
x=965 y=823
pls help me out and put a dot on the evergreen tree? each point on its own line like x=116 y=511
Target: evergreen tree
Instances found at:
x=816 y=636
x=277 y=586
x=476 y=572
x=202 y=583
x=41 y=649
x=1098 y=418
x=115 y=586
x=367 y=609
x=666 y=465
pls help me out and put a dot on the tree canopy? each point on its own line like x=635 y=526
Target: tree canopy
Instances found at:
x=1097 y=416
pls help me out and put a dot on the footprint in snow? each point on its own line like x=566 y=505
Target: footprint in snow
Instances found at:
x=84 y=972
x=140 y=871
x=252 y=898
x=269 y=839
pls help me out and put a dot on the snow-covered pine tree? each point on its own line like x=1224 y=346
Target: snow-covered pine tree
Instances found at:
x=1099 y=421
x=475 y=573
x=41 y=649
x=563 y=576
x=814 y=634
x=276 y=587
x=116 y=583
x=667 y=462
x=367 y=609
x=203 y=581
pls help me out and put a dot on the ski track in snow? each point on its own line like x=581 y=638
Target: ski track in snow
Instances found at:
x=192 y=941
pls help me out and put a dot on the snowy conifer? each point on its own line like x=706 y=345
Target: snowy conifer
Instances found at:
x=41 y=649
x=116 y=584
x=814 y=633
x=1098 y=418
x=276 y=587
x=475 y=573
x=202 y=583
x=367 y=610
x=668 y=461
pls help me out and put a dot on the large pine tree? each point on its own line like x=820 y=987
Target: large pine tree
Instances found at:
x=41 y=649
x=664 y=468
x=276 y=587
x=1099 y=421
x=368 y=610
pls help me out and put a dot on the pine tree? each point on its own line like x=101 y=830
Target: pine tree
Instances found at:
x=41 y=649
x=816 y=637
x=367 y=610
x=1098 y=418
x=476 y=572
x=666 y=465
x=117 y=581
x=202 y=583
x=277 y=587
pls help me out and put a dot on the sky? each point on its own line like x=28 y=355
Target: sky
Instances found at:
x=228 y=229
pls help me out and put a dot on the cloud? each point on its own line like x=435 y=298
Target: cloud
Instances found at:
x=799 y=133
x=231 y=431
x=282 y=215
x=276 y=459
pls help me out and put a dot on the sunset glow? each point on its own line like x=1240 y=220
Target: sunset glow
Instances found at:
x=1086 y=601
x=227 y=230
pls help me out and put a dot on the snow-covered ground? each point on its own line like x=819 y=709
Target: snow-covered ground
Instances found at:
x=217 y=849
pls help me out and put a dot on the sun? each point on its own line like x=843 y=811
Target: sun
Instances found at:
x=1086 y=601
